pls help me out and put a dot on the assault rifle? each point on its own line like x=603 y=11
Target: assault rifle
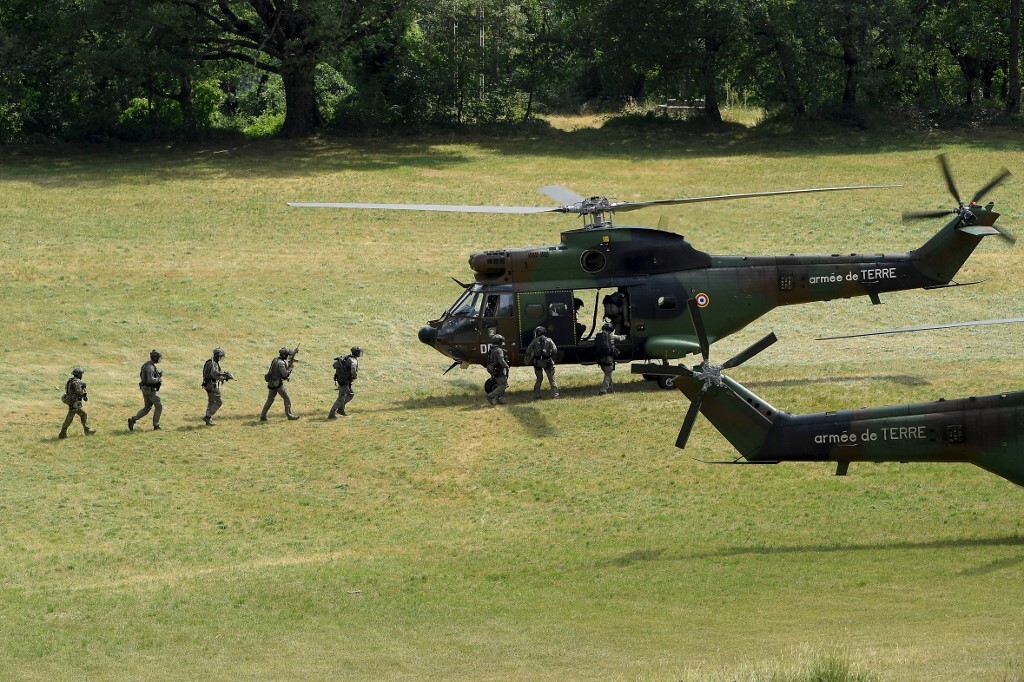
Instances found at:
x=291 y=356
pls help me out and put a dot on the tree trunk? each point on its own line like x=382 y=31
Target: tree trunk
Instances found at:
x=302 y=115
x=1013 y=96
x=710 y=73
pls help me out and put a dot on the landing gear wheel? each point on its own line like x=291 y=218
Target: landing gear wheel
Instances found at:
x=666 y=382
x=489 y=385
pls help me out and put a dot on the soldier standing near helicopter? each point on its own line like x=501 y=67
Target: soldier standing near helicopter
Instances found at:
x=497 y=366
x=606 y=352
x=74 y=395
x=280 y=371
x=541 y=354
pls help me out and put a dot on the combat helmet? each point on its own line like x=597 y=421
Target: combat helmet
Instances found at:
x=356 y=351
x=540 y=331
x=608 y=326
x=218 y=352
x=155 y=355
x=284 y=352
x=498 y=339
x=77 y=372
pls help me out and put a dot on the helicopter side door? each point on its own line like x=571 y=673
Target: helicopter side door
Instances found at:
x=552 y=310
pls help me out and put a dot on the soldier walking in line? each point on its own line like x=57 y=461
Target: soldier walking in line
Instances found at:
x=74 y=396
x=346 y=370
x=280 y=371
x=150 y=381
x=541 y=354
x=213 y=377
x=497 y=365
x=606 y=352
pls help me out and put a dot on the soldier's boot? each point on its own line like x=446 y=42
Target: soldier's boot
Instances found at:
x=89 y=432
x=131 y=423
x=62 y=434
x=490 y=400
x=331 y=415
x=208 y=420
x=85 y=427
x=293 y=417
x=156 y=427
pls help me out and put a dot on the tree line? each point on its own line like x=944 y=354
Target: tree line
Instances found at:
x=105 y=69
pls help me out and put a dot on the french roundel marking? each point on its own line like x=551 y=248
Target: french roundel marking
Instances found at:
x=702 y=300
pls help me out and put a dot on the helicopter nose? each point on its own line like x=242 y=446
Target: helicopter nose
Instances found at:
x=428 y=335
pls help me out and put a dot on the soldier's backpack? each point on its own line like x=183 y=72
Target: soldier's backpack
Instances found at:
x=603 y=345
x=64 y=398
x=270 y=378
x=208 y=373
x=343 y=369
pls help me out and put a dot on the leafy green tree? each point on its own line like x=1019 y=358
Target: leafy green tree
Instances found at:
x=289 y=38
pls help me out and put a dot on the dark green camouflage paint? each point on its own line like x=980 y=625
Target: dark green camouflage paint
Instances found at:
x=984 y=431
x=659 y=271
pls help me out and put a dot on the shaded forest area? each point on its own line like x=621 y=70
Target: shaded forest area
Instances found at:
x=95 y=70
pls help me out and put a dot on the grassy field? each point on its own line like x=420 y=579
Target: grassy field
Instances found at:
x=428 y=536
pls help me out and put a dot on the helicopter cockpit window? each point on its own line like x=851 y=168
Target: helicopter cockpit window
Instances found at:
x=534 y=310
x=666 y=302
x=498 y=305
x=468 y=305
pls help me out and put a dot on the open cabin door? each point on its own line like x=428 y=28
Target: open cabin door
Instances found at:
x=550 y=309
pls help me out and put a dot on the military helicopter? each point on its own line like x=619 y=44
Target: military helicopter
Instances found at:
x=987 y=431
x=640 y=278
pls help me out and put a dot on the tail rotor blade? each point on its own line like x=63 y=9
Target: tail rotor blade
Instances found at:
x=751 y=351
x=944 y=163
x=691 y=417
x=992 y=184
x=698 y=326
x=1005 y=234
x=923 y=215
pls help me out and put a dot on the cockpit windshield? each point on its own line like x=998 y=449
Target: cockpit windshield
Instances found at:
x=467 y=305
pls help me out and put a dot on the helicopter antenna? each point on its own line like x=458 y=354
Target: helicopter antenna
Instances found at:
x=976 y=323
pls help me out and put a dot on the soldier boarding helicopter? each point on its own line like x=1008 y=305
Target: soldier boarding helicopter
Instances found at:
x=642 y=277
x=987 y=431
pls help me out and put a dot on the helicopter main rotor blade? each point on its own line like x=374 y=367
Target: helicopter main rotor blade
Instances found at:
x=691 y=417
x=634 y=205
x=922 y=215
x=563 y=195
x=992 y=184
x=1005 y=320
x=698 y=326
x=436 y=207
x=751 y=350
x=944 y=164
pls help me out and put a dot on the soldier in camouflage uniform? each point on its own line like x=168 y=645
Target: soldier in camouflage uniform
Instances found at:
x=74 y=395
x=497 y=365
x=346 y=370
x=280 y=371
x=606 y=352
x=213 y=377
x=150 y=381
x=541 y=354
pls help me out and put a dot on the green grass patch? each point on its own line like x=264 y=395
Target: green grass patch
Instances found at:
x=426 y=535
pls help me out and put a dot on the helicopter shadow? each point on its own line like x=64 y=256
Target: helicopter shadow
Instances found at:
x=900 y=379
x=473 y=399
x=1005 y=541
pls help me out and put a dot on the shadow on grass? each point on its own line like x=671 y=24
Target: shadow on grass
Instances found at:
x=476 y=399
x=901 y=379
x=1002 y=541
x=71 y=165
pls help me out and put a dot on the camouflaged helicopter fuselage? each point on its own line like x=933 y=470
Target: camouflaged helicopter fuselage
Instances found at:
x=984 y=431
x=658 y=271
